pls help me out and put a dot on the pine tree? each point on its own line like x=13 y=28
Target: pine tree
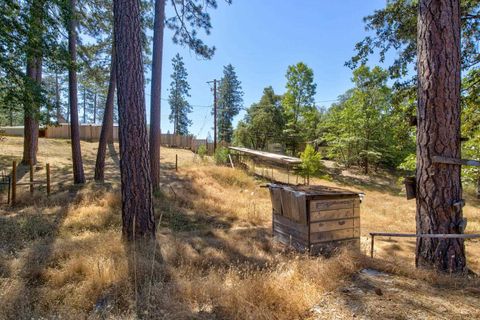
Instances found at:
x=179 y=91
x=32 y=101
x=189 y=16
x=230 y=102
x=438 y=133
x=137 y=206
x=263 y=122
x=71 y=24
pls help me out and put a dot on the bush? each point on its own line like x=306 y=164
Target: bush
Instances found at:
x=409 y=163
x=202 y=151
x=311 y=163
x=221 y=156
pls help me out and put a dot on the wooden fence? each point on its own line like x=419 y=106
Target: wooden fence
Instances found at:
x=196 y=143
x=88 y=132
x=176 y=140
x=91 y=132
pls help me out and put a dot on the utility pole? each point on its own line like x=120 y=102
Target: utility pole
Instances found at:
x=214 y=113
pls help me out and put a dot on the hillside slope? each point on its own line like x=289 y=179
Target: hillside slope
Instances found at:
x=214 y=258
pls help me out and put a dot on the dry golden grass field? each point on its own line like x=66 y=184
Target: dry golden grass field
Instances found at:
x=62 y=257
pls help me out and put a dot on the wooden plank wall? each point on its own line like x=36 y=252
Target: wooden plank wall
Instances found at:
x=334 y=220
x=175 y=140
x=290 y=233
x=88 y=132
x=328 y=224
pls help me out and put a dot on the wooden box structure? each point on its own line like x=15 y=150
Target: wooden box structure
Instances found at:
x=315 y=219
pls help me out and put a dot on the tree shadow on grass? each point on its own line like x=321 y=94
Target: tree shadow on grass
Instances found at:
x=30 y=237
x=370 y=184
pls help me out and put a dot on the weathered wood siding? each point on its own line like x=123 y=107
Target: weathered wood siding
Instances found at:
x=315 y=223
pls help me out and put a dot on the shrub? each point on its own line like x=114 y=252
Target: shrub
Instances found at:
x=311 y=163
x=202 y=151
x=409 y=163
x=221 y=156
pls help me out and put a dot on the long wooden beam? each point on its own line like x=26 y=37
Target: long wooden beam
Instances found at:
x=460 y=162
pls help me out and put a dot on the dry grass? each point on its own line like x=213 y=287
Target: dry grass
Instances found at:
x=63 y=257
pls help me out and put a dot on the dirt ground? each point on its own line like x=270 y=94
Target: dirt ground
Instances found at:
x=62 y=257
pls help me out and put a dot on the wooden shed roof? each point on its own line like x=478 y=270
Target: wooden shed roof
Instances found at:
x=316 y=190
x=274 y=157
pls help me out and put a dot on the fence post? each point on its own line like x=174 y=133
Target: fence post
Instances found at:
x=371 y=249
x=176 y=162
x=31 y=177
x=48 y=179
x=14 y=182
x=8 y=193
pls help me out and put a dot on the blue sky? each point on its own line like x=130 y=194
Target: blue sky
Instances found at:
x=260 y=39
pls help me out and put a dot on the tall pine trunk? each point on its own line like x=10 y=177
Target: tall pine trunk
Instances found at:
x=33 y=82
x=78 y=175
x=95 y=107
x=438 y=134
x=84 y=106
x=58 y=112
x=156 y=91
x=106 y=135
x=137 y=210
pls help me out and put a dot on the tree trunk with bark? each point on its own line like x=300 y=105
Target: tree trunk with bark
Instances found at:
x=57 y=98
x=438 y=134
x=156 y=91
x=84 y=106
x=137 y=210
x=106 y=135
x=78 y=175
x=95 y=107
x=33 y=82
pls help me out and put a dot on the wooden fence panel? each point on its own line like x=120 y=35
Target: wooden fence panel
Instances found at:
x=88 y=132
x=175 y=140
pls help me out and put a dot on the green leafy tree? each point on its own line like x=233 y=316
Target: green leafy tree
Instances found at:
x=230 y=102
x=364 y=128
x=263 y=122
x=311 y=163
x=299 y=106
x=179 y=91
x=221 y=156
x=202 y=151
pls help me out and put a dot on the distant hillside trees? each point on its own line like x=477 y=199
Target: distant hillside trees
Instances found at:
x=300 y=114
x=230 y=102
x=179 y=91
x=263 y=122
x=363 y=128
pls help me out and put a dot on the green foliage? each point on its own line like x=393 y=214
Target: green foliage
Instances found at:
x=393 y=29
x=221 y=156
x=190 y=16
x=409 y=163
x=262 y=124
x=300 y=114
x=179 y=90
x=230 y=102
x=311 y=163
x=363 y=128
x=202 y=151
x=471 y=126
